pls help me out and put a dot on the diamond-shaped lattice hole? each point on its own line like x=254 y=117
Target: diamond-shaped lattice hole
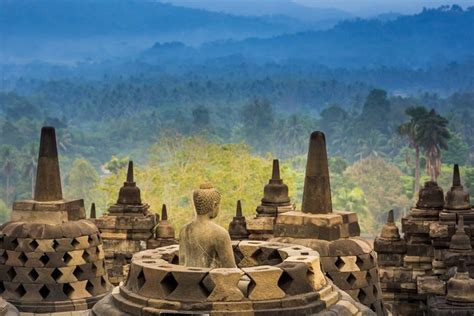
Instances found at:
x=44 y=259
x=23 y=258
x=75 y=243
x=55 y=244
x=103 y=282
x=20 y=291
x=5 y=255
x=78 y=272
x=361 y=296
x=376 y=292
x=14 y=243
x=94 y=269
x=67 y=258
x=90 y=240
x=368 y=277
x=56 y=274
x=285 y=280
x=68 y=289
x=34 y=244
x=359 y=262
x=351 y=279
x=33 y=275
x=11 y=273
x=169 y=283
x=2 y=287
x=90 y=287
x=86 y=256
x=140 y=279
x=175 y=260
x=339 y=263
x=44 y=291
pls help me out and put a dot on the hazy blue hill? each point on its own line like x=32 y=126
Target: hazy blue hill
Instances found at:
x=71 y=18
x=320 y=17
x=68 y=30
x=430 y=37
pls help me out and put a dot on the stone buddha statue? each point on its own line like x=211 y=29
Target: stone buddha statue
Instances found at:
x=203 y=243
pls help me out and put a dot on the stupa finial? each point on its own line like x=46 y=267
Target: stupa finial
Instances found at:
x=93 y=212
x=164 y=213
x=317 y=187
x=48 y=177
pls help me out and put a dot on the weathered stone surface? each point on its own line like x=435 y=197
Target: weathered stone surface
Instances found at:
x=316 y=276
x=264 y=283
x=317 y=188
x=203 y=243
x=225 y=284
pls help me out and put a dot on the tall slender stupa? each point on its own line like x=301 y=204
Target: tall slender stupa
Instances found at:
x=51 y=256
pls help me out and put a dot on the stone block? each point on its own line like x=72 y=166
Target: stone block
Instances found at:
x=224 y=283
x=264 y=283
x=316 y=276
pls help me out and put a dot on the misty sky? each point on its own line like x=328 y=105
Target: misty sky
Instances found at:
x=361 y=8
x=369 y=7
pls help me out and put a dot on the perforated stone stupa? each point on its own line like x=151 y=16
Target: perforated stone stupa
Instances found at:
x=126 y=228
x=348 y=260
x=416 y=268
x=218 y=277
x=51 y=257
x=275 y=201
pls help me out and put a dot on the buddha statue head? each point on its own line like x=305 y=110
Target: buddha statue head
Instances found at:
x=206 y=200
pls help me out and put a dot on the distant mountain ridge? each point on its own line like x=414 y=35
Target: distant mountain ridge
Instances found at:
x=433 y=36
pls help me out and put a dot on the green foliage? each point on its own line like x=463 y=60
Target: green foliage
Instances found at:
x=82 y=181
x=4 y=212
x=116 y=164
x=382 y=185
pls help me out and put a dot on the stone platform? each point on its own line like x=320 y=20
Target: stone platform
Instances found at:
x=271 y=279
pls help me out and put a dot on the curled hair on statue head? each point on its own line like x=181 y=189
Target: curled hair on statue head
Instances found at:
x=205 y=198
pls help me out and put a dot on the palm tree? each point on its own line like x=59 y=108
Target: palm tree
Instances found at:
x=432 y=135
x=409 y=130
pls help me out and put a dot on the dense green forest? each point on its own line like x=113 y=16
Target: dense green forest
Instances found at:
x=218 y=113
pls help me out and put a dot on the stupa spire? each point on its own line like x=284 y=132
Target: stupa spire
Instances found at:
x=238 y=211
x=48 y=177
x=164 y=213
x=93 y=212
x=129 y=193
x=276 y=170
x=130 y=172
x=456 y=176
x=317 y=188
x=457 y=198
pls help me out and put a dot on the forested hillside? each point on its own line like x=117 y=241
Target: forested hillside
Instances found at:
x=221 y=112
